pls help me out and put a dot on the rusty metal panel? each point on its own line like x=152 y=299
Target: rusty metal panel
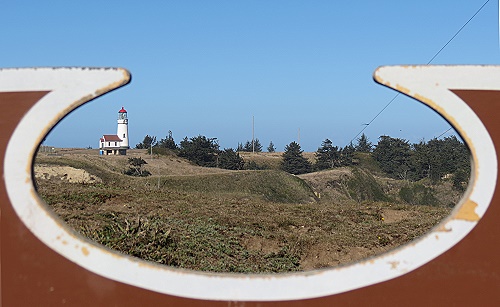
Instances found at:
x=45 y=263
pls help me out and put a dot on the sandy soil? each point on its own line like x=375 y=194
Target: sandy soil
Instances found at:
x=66 y=173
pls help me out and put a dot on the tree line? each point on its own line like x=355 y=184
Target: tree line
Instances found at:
x=398 y=158
x=435 y=159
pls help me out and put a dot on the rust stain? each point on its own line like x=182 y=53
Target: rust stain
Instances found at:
x=442 y=228
x=85 y=251
x=394 y=264
x=126 y=79
x=430 y=103
x=402 y=89
x=467 y=212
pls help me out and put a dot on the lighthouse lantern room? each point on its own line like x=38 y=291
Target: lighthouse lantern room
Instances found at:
x=118 y=144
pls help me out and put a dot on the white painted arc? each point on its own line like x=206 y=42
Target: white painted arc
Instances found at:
x=71 y=87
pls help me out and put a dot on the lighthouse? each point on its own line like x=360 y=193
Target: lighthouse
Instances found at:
x=122 y=130
x=117 y=144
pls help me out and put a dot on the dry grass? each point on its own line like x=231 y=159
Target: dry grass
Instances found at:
x=270 y=160
x=230 y=221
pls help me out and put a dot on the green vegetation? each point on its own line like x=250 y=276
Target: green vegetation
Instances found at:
x=271 y=147
x=136 y=168
x=393 y=156
x=293 y=160
x=269 y=185
x=363 y=187
x=266 y=212
x=434 y=160
x=250 y=146
x=168 y=142
x=201 y=150
x=418 y=194
x=364 y=145
x=327 y=156
x=229 y=159
x=148 y=142
x=243 y=221
x=204 y=245
x=347 y=155
x=396 y=158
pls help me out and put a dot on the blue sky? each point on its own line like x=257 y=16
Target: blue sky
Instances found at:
x=207 y=67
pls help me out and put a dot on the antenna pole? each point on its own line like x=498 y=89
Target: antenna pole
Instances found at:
x=253 y=134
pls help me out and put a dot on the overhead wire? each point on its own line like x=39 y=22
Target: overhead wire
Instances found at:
x=429 y=62
x=437 y=137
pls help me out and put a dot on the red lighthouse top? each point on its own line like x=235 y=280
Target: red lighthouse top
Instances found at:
x=122 y=110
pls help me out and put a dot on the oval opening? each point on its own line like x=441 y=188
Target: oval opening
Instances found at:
x=65 y=91
x=248 y=210
x=169 y=280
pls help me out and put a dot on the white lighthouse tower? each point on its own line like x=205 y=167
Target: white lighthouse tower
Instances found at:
x=122 y=131
x=117 y=144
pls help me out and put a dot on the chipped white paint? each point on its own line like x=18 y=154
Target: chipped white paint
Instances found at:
x=71 y=87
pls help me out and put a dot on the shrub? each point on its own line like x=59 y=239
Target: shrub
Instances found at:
x=229 y=159
x=363 y=186
x=135 y=168
x=418 y=194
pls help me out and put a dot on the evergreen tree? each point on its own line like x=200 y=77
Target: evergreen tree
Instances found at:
x=251 y=147
x=293 y=160
x=168 y=142
x=393 y=156
x=422 y=161
x=364 y=145
x=347 y=155
x=271 y=147
x=200 y=150
x=455 y=156
x=240 y=147
x=327 y=156
x=248 y=146
x=229 y=159
x=460 y=177
x=257 y=145
x=147 y=142
x=463 y=165
x=438 y=158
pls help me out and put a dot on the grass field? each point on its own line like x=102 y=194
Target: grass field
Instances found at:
x=236 y=221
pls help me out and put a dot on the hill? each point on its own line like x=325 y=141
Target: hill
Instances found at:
x=236 y=221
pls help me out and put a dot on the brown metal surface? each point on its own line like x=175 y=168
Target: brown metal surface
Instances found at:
x=34 y=275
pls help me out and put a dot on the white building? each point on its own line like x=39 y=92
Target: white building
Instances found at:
x=116 y=144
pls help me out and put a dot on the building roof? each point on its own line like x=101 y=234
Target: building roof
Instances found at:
x=122 y=110
x=111 y=138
